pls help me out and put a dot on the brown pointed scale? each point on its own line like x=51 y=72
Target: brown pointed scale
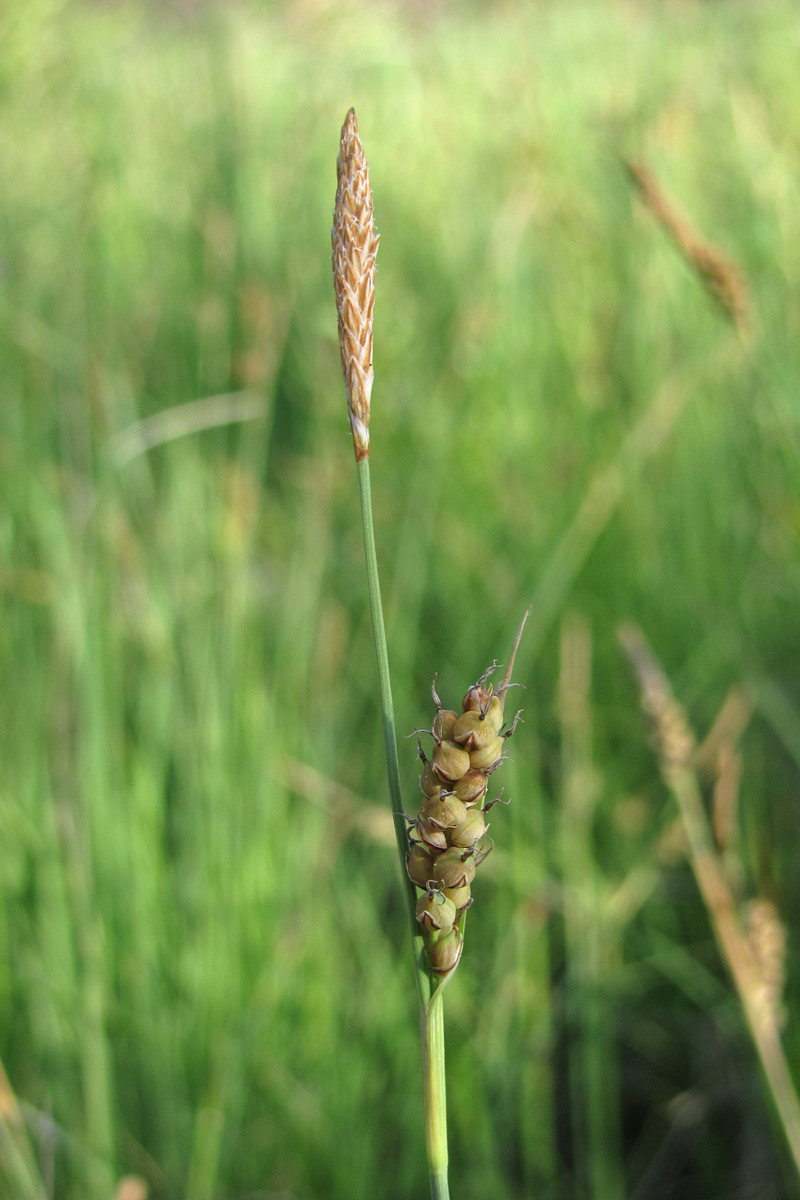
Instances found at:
x=476 y=698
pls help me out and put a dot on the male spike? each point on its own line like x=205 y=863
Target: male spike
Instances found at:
x=355 y=246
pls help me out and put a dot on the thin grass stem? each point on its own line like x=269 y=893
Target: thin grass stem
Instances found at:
x=431 y=1002
x=387 y=714
x=434 y=1094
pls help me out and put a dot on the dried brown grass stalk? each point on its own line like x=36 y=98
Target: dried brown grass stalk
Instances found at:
x=355 y=246
x=767 y=934
x=718 y=759
x=727 y=729
x=722 y=278
x=754 y=950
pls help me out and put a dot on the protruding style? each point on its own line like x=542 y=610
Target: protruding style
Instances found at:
x=355 y=246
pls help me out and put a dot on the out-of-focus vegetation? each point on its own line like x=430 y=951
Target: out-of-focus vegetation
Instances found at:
x=204 y=973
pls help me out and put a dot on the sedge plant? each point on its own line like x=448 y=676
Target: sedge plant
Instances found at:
x=442 y=846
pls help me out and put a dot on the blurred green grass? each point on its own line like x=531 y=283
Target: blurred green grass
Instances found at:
x=204 y=978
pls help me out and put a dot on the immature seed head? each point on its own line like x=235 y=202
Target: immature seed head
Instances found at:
x=449 y=840
x=355 y=246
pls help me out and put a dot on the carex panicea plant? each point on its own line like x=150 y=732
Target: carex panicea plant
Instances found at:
x=442 y=846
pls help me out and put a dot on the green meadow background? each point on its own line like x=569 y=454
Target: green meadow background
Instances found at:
x=205 y=975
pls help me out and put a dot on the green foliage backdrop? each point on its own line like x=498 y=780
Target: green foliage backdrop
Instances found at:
x=204 y=975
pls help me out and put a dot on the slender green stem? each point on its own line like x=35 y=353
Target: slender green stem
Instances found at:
x=387 y=711
x=431 y=1000
x=382 y=656
x=434 y=1095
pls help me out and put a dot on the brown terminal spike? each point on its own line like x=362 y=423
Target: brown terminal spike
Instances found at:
x=355 y=246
